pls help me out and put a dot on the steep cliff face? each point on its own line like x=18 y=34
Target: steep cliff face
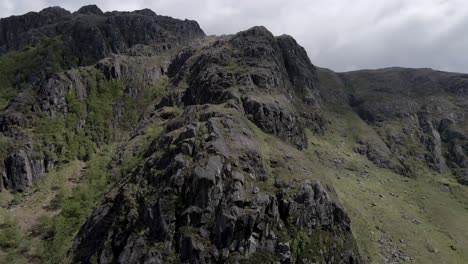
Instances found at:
x=90 y=35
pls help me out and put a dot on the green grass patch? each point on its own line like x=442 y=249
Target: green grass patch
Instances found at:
x=76 y=196
x=134 y=107
x=10 y=234
x=236 y=68
x=75 y=208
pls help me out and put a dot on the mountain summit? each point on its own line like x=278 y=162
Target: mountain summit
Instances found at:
x=138 y=139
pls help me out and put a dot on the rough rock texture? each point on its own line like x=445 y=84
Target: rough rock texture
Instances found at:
x=19 y=31
x=301 y=72
x=136 y=73
x=91 y=35
x=90 y=10
x=203 y=192
x=272 y=119
x=88 y=35
x=380 y=155
x=432 y=142
x=220 y=117
x=198 y=202
x=21 y=170
x=252 y=62
x=420 y=114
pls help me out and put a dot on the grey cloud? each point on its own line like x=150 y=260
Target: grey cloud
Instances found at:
x=338 y=34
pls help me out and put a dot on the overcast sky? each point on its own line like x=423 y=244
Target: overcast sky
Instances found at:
x=338 y=34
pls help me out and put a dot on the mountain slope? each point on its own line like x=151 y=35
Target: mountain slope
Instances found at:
x=45 y=92
x=205 y=190
x=194 y=149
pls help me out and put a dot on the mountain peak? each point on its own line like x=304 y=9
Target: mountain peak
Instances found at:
x=54 y=10
x=145 y=12
x=256 y=31
x=90 y=10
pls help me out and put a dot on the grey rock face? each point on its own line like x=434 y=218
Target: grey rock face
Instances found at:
x=19 y=31
x=420 y=114
x=272 y=119
x=201 y=210
x=431 y=140
x=251 y=67
x=22 y=169
x=52 y=93
x=301 y=72
x=197 y=196
x=380 y=155
x=2 y=176
x=90 y=35
x=15 y=115
x=463 y=177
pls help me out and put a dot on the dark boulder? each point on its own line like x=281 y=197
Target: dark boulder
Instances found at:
x=22 y=169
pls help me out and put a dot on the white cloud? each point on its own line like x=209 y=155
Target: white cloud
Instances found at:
x=339 y=34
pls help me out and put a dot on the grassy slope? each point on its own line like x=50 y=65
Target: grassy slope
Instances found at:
x=40 y=224
x=389 y=212
x=20 y=214
x=386 y=208
x=413 y=210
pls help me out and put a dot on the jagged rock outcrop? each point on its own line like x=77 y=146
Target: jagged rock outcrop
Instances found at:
x=271 y=118
x=431 y=140
x=52 y=93
x=19 y=31
x=90 y=35
x=90 y=10
x=203 y=192
x=380 y=155
x=302 y=73
x=199 y=202
x=16 y=114
x=456 y=147
x=252 y=62
x=22 y=169
x=137 y=73
x=87 y=35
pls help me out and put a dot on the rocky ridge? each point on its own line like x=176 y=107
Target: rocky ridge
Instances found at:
x=85 y=41
x=194 y=195
x=189 y=114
